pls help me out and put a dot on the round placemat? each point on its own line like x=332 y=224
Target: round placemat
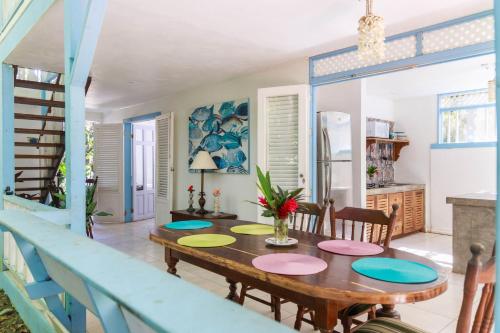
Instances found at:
x=206 y=240
x=395 y=270
x=351 y=248
x=189 y=225
x=253 y=229
x=289 y=264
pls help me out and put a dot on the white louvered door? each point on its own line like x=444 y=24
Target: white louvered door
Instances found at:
x=164 y=167
x=284 y=133
x=108 y=166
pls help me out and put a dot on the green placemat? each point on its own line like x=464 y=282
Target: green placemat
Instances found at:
x=206 y=240
x=253 y=229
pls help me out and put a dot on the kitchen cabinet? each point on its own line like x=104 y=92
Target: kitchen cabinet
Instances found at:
x=411 y=212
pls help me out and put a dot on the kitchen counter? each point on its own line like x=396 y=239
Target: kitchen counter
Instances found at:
x=483 y=199
x=394 y=189
x=473 y=221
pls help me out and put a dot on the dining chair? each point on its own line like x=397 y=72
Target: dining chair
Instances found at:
x=374 y=226
x=309 y=217
x=476 y=274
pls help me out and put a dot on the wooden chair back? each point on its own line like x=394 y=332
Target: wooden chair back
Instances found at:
x=376 y=227
x=310 y=217
x=477 y=274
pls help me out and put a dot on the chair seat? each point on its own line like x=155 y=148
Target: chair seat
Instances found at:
x=355 y=309
x=387 y=325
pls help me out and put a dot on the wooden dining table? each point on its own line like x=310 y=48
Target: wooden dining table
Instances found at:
x=327 y=292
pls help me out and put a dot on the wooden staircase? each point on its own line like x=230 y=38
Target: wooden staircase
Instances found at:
x=39 y=133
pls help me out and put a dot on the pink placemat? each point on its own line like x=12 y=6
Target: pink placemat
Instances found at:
x=351 y=248
x=289 y=264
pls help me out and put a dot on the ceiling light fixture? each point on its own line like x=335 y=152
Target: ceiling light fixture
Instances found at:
x=371 y=34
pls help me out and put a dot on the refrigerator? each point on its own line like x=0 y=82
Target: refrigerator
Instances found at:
x=334 y=158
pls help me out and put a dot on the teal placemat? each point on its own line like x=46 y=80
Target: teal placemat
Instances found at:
x=189 y=225
x=395 y=270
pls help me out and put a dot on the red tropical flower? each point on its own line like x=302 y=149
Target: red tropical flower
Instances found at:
x=263 y=202
x=290 y=206
x=190 y=188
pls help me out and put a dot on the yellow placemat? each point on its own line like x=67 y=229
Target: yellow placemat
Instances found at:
x=206 y=240
x=253 y=229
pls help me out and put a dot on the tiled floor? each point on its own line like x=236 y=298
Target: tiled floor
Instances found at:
x=437 y=315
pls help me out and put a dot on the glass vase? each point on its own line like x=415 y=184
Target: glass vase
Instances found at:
x=281 y=231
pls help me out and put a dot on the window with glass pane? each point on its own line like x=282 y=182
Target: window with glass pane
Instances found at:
x=467 y=117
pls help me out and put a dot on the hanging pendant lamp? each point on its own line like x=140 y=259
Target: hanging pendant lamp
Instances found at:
x=371 y=34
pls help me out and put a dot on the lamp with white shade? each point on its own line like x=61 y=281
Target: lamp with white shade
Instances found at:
x=203 y=161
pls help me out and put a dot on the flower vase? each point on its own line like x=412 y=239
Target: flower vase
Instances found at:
x=216 y=205
x=190 y=202
x=281 y=231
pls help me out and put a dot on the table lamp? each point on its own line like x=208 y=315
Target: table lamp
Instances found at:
x=203 y=161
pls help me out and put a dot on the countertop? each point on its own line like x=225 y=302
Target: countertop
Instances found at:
x=482 y=199
x=394 y=189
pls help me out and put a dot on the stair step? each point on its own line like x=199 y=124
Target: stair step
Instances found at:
x=38 y=85
x=37 y=131
x=28 y=116
x=35 y=168
x=39 y=144
x=38 y=102
x=27 y=179
x=37 y=156
x=36 y=188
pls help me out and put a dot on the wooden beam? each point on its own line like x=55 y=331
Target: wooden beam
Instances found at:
x=28 y=116
x=39 y=144
x=38 y=102
x=36 y=156
x=29 y=179
x=35 y=168
x=37 y=131
x=38 y=85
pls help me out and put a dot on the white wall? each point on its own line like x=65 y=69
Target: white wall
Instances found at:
x=236 y=189
x=379 y=107
x=456 y=172
x=416 y=117
x=445 y=172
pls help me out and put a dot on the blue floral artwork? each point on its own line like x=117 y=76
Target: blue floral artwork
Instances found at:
x=222 y=130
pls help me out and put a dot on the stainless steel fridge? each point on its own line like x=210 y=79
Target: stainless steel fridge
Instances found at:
x=334 y=158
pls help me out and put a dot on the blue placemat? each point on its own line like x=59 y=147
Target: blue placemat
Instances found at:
x=189 y=225
x=395 y=270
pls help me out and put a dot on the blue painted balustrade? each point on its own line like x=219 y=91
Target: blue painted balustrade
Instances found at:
x=127 y=295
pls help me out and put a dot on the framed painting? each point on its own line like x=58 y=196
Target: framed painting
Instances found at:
x=222 y=130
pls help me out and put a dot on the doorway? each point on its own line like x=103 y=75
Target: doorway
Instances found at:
x=143 y=170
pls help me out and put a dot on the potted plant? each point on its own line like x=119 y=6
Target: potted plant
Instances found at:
x=278 y=204
x=371 y=171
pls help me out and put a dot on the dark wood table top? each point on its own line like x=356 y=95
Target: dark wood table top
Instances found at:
x=338 y=282
x=178 y=215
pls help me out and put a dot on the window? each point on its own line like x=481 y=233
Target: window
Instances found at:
x=466 y=117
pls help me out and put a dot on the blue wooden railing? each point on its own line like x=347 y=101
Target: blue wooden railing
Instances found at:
x=124 y=293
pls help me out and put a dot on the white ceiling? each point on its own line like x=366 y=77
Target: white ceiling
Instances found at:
x=149 y=49
x=461 y=75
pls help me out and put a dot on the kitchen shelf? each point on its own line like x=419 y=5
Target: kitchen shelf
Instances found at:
x=398 y=144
